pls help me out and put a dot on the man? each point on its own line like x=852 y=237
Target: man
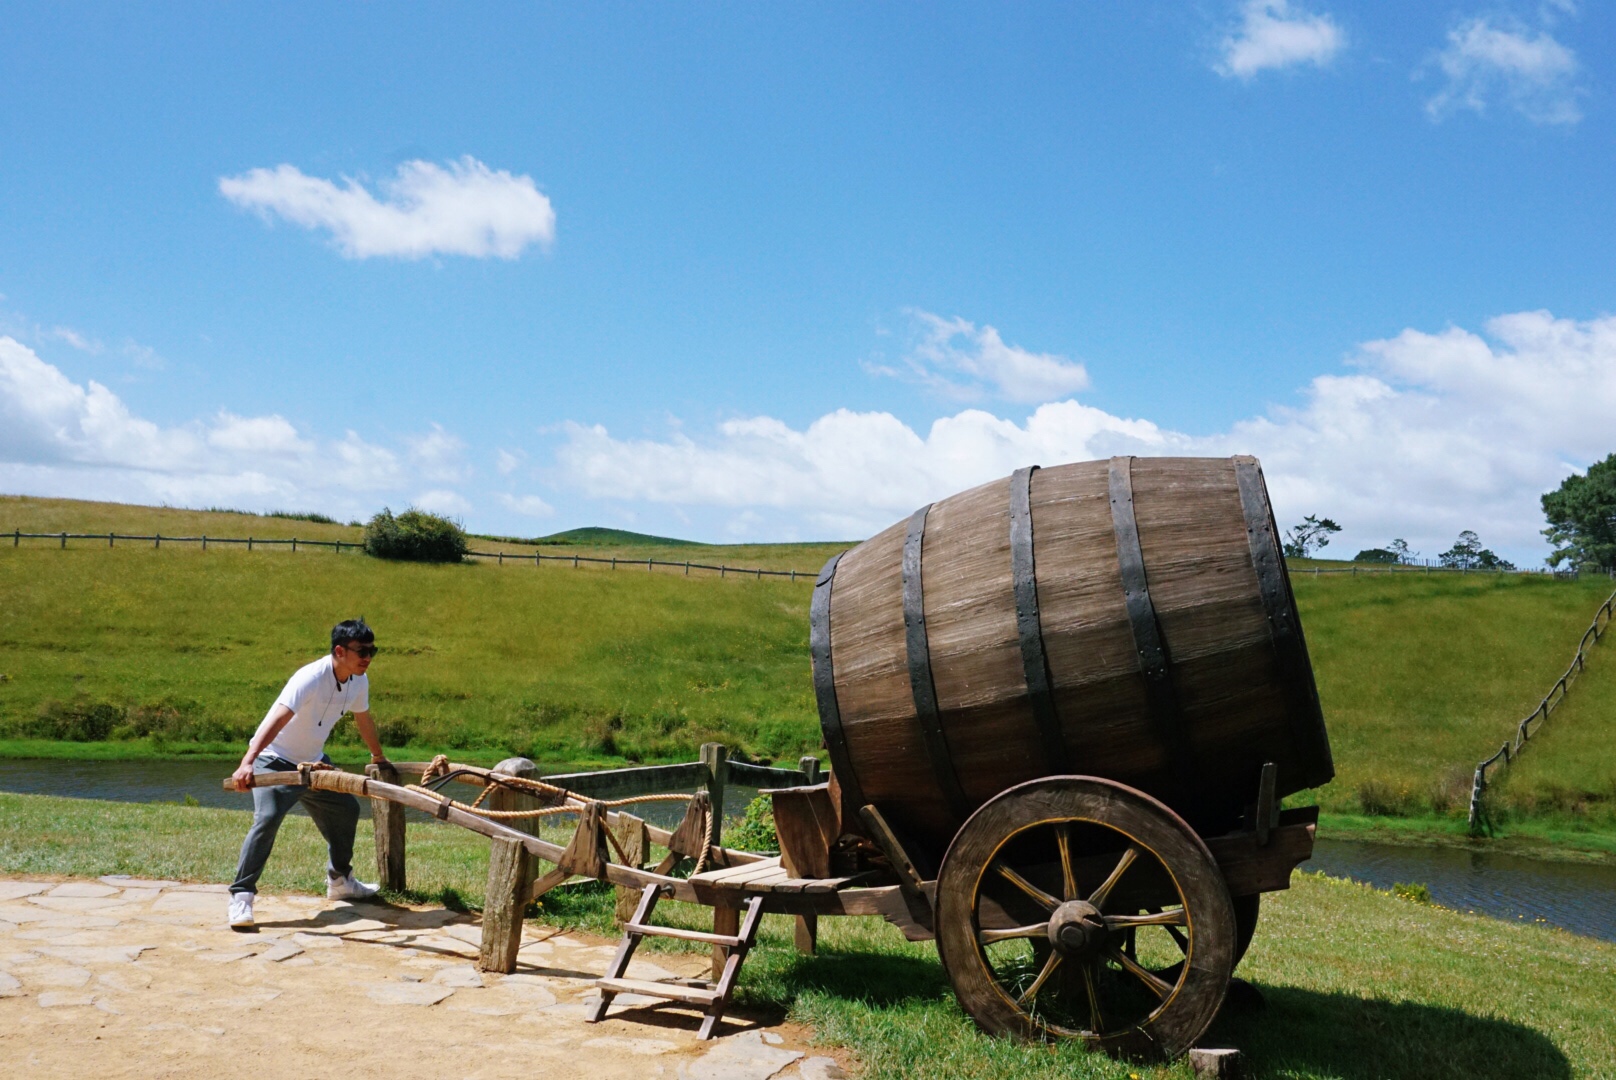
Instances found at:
x=295 y=731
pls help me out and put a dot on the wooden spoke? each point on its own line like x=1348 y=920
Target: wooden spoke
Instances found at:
x=1048 y=902
x=1157 y=986
x=1170 y=917
x=1098 y=898
x=988 y=937
x=1043 y=976
x=1096 y=1019
x=1063 y=837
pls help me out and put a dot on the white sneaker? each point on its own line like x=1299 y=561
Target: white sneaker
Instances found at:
x=347 y=888
x=241 y=915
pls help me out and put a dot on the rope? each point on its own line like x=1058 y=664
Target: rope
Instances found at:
x=706 y=845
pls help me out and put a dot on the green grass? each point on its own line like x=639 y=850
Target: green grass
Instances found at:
x=1359 y=984
x=1421 y=676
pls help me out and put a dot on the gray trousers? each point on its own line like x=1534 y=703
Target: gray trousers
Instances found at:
x=335 y=814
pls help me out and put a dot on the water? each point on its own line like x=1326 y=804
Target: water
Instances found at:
x=172 y=780
x=1579 y=897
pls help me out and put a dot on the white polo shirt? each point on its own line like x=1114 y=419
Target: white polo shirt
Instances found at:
x=317 y=702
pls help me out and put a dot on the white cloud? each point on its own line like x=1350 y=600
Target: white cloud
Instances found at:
x=74 y=338
x=506 y=462
x=527 y=505
x=61 y=438
x=961 y=360
x=1273 y=34
x=465 y=208
x=1432 y=433
x=442 y=501
x=438 y=455
x=1532 y=73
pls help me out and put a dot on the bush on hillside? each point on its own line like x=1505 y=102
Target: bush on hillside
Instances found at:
x=415 y=536
x=1376 y=555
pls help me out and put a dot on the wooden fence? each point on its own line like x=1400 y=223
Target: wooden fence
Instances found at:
x=1524 y=730
x=501 y=557
x=712 y=773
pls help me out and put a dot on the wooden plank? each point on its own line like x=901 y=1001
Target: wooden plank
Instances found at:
x=508 y=880
x=635 y=843
x=744 y=772
x=730 y=940
x=586 y=854
x=695 y=995
x=388 y=818
x=624 y=783
x=734 y=873
x=726 y=923
x=1252 y=868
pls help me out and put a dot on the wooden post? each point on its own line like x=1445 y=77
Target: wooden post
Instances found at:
x=716 y=757
x=636 y=845
x=514 y=800
x=810 y=769
x=388 y=819
x=508 y=883
x=726 y=920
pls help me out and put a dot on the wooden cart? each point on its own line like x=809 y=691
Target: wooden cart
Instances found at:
x=1061 y=711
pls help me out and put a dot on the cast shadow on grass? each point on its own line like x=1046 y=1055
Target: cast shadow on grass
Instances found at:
x=880 y=981
x=1354 y=1038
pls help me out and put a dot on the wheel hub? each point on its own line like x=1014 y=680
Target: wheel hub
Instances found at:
x=1076 y=928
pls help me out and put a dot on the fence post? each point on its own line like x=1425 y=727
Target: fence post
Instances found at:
x=614 y=562
x=648 y=566
x=204 y=541
x=810 y=768
x=509 y=879
x=387 y=818
x=157 y=541
x=109 y=539
x=294 y=543
x=64 y=541
x=502 y=558
x=716 y=757
x=721 y=570
x=16 y=537
x=249 y=543
x=515 y=800
x=687 y=568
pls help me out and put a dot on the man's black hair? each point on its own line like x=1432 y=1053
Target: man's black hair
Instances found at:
x=351 y=630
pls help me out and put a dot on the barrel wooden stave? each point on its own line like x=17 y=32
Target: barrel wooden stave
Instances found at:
x=1233 y=708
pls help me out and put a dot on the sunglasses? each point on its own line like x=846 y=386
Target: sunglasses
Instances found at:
x=363 y=651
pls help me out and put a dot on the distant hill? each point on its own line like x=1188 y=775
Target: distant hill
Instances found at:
x=596 y=536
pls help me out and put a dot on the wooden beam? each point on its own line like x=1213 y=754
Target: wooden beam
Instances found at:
x=715 y=757
x=635 y=843
x=506 y=899
x=387 y=817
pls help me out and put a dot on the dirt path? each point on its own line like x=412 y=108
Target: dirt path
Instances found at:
x=128 y=978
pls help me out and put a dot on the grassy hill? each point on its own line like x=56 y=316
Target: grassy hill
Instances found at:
x=1421 y=675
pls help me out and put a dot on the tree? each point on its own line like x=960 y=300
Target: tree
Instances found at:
x=414 y=535
x=1582 y=518
x=1468 y=554
x=1399 y=547
x=1376 y=555
x=1312 y=534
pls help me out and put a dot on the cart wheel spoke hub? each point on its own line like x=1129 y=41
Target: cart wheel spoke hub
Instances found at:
x=1076 y=929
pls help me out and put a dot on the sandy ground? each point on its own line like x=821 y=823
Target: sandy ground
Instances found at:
x=128 y=978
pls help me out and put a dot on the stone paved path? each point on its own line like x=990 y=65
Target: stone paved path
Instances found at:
x=123 y=977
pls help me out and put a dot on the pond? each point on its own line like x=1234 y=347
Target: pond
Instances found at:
x=1576 y=896
x=175 y=779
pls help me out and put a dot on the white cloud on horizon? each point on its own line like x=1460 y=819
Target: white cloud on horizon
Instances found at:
x=1273 y=34
x=58 y=437
x=464 y=208
x=1487 y=59
x=961 y=360
x=1432 y=434
x=526 y=505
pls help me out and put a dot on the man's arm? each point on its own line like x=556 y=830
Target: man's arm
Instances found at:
x=271 y=727
x=367 y=732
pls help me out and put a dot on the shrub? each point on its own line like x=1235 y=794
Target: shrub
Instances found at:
x=415 y=536
x=1377 y=555
x=756 y=830
x=1414 y=893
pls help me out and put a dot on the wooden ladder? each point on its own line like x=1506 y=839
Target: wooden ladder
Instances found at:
x=712 y=996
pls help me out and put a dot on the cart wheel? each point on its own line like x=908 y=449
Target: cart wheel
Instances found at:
x=1075 y=907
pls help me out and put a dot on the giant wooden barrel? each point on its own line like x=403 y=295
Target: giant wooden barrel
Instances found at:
x=1130 y=619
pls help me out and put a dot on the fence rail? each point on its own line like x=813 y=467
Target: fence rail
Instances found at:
x=501 y=557
x=1551 y=701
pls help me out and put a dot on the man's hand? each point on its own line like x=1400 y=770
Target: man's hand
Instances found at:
x=381 y=759
x=243 y=776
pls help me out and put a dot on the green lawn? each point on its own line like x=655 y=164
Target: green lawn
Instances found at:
x=1359 y=984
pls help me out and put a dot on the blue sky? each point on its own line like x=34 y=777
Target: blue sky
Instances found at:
x=785 y=272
